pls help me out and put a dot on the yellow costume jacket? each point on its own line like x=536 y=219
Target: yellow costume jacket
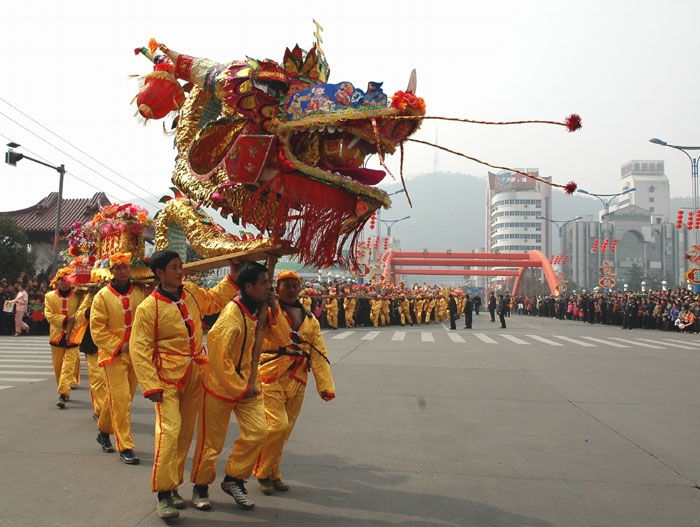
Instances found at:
x=231 y=342
x=332 y=306
x=167 y=336
x=348 y=304
x=57 y=309
x=111 y=319
x=297 y=359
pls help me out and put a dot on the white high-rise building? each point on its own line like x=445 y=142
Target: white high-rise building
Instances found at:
x=652 y=188
x=513 y=204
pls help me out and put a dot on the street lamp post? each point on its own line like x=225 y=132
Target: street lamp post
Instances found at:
x=693 y=174
x=11 y=158
x=390 y=224
x=561 y=227
x=606 y=211
x=379 y=214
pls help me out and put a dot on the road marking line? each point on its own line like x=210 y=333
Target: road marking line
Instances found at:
x=399 y=336
x=23 y=372
x=516 y=340
x=37 y=361
x=341 y=336
x=456 y=338
x=484 y=338
x=5 y=387
x=637 y=343
x=371 y=335
x=606 y=342
x=576 y=341
x=665 y=343
x=546 y=341
x=426 y=336
x=684 y=344
x=21 y=379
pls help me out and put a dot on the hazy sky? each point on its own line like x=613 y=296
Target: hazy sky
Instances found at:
x=626 y=66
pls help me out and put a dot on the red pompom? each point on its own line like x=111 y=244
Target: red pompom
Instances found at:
x=573 y=122
x=570 y=187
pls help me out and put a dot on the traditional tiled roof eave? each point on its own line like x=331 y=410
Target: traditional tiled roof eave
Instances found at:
x=42 y=216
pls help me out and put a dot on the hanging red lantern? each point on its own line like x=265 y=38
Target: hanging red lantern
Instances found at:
x=613 y=245
x=566 y=257
x=160 y=95
x=595 y=246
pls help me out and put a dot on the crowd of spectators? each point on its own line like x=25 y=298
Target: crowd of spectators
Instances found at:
x=36 y=287
x=672 y=310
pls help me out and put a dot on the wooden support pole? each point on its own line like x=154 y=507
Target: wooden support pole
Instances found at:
x=260 y=328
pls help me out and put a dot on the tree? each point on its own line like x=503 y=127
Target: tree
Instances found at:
x=634 y=278
x=14 y=256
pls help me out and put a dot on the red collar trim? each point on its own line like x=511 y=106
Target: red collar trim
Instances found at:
x=164 y=298
x=128 y=293
x=245 y=310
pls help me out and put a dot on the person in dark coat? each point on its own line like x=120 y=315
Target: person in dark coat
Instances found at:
x=454 y=311
x=468 y=306
x=492 y=307
x=502 y=307
x=477 y=304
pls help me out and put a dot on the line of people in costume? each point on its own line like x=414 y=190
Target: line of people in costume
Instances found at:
x=378 y=305
x=133 y=335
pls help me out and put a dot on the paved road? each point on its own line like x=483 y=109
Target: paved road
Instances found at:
x=545 y=423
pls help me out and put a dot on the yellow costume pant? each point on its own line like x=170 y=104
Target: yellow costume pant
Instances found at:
x=176 y=417
x=98 y=384
x=211 y=434
x=76 y=382
x=383 y=319
x=332 y=320
x=121 y=384
x=419 y=317
x=64 y=361
x=427 y=317
x=349 y=320
x=283 y=400
x=374 y=317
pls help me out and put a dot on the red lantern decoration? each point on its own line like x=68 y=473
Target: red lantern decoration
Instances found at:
x=160 y=95
x=613 y=245
x=595 y=246
x=566 y=257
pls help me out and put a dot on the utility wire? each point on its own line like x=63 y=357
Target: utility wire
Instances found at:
x=73 y=146
x=109 y=194
x=75 y=159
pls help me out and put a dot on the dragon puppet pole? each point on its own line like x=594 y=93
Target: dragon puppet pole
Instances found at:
x=260 y=328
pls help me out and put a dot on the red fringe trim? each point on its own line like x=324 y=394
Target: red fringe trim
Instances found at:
x=311 y=215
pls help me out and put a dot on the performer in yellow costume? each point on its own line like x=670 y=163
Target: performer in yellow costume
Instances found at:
x=228 y=388
x=384 y=317
x=96 y=375
x=167 y=353
x=428 y=308
x=375 y=310
x=405 y=307
x=306 y=302
x=349 y=305
x=60 y=307
x=441 y=310
x=418 y=309
x=284 y=373
x=332 y=312
x=111 y=317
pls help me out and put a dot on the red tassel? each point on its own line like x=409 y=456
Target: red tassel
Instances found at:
x=570 y=187
x=573 y=122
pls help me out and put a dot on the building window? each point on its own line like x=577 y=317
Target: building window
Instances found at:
x=651 y=209
x=651 y=189
x=651 y=200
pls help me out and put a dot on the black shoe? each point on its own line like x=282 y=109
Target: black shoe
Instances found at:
x=128 y=457
x=105 y=443
x=61 y=401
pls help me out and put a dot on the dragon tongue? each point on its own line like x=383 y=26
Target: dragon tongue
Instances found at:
x=366 y=176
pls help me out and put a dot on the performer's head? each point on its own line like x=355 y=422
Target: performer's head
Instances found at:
x=59 y=282
x=120 y=266
x=167 y=266
x=288 y=286
x=253 y=281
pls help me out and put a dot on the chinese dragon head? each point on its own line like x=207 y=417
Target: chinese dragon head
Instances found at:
x=274 y=145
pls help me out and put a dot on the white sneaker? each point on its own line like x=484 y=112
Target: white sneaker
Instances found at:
x=236 y=488
x=200 y=499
